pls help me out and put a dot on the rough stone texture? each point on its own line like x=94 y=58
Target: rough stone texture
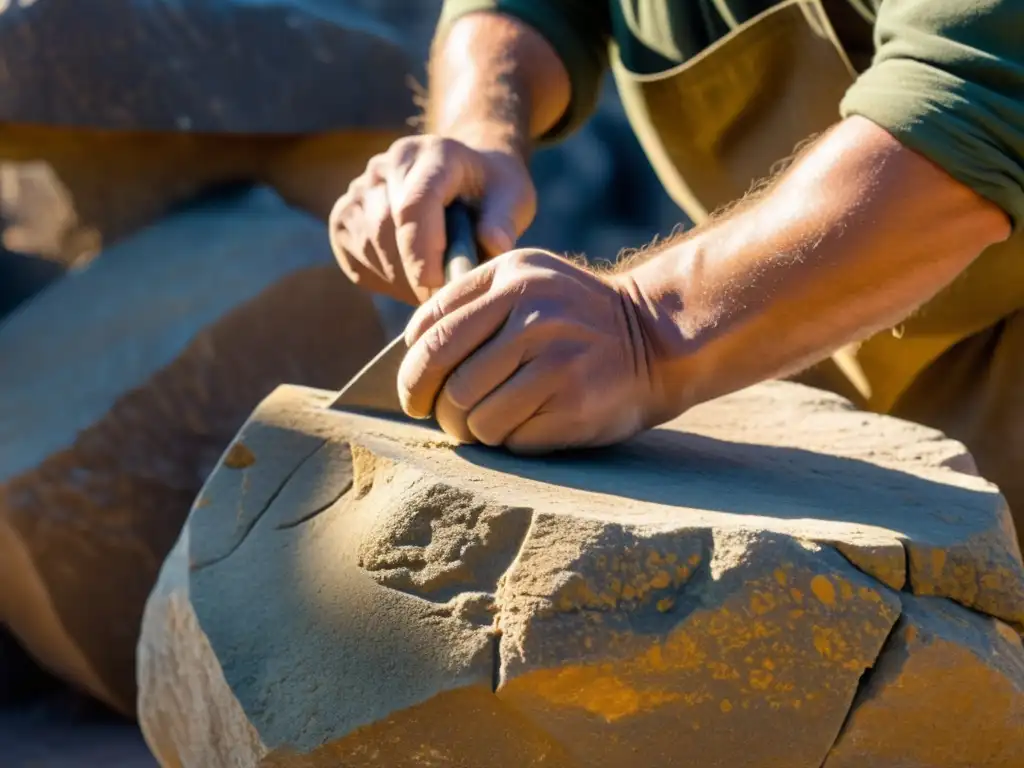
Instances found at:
x=122 y=385
x=940 y=651
x=774 y=579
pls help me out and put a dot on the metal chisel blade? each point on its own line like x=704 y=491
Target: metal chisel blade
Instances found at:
x=374 y=390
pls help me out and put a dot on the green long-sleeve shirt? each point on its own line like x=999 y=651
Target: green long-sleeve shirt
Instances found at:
x=946 y=77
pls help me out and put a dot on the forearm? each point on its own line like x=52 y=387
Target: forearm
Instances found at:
x=852 y=239
x=495 y=83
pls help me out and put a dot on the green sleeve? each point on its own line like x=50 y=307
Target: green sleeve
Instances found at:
x=578 y=30
x=947 y=81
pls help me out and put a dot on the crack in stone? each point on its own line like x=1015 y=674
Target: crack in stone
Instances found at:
x=906 y=564
x=313 y=513
x=499 y=609
x=908 y=585
x=198 y=566
x=868 y=675
x=496 y=661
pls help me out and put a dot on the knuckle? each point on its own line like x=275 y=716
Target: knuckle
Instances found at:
x=435 y=340
x=526 y=260
x=411 y=208
x=357 y=187
x=348 y=266
x=342 y=208
x=460 y=389
x=401 y=146
x=488 y=426
x=446 y=147
x=485 y=432
x=406 y=149
x=378 y=165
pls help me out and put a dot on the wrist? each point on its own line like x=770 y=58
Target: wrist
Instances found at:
x=490 y=136
x=655 y=293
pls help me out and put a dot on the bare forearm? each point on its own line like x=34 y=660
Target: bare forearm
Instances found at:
x=853 y=238
x=495 y=83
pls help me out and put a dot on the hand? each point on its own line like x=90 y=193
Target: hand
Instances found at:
x=530 y=352
x=387 y=230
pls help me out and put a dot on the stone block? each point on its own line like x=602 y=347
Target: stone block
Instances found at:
x=122 y=385
x=772 y=579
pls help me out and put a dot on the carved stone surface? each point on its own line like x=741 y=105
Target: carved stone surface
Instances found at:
x=121 y=386
x=767 y=580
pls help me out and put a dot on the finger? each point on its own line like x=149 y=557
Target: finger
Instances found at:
x=394 y=182
x=359 y=237
x=452 y=420
x=485 y=370
x=354 y=223
x=513 y=403
x=380 y=233
x=499 y=212
x=345 y=239
x=444 y=346
x=565 y=420
x=456 y=294
x=547 y=430
x=480 y=374
x=377 y=168
x=404 y=151
x=432 y=183
x=355 y=271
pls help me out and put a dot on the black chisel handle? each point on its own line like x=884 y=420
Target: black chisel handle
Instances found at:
x=460 y=254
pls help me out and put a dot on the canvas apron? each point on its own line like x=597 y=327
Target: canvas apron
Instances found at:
x=717 y=123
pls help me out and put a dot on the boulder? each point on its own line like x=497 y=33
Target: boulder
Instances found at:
x=207 y=66
x=123 y=383
x=772 y=579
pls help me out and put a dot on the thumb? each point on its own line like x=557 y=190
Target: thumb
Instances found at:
x=503 y=217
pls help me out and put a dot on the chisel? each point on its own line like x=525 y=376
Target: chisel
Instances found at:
x=374 y=390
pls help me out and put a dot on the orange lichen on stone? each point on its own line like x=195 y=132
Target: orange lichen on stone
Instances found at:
x=824 y=590
x=239 y=456
x=595 y=690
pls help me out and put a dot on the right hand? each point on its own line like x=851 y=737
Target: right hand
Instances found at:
x=387 y=230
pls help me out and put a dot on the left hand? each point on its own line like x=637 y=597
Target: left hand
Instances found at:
x=531 y=352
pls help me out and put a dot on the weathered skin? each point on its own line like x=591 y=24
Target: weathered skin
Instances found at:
x=782 y=280
x=387 y=228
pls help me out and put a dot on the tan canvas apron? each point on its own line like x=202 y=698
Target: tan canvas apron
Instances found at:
x=717 y=123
